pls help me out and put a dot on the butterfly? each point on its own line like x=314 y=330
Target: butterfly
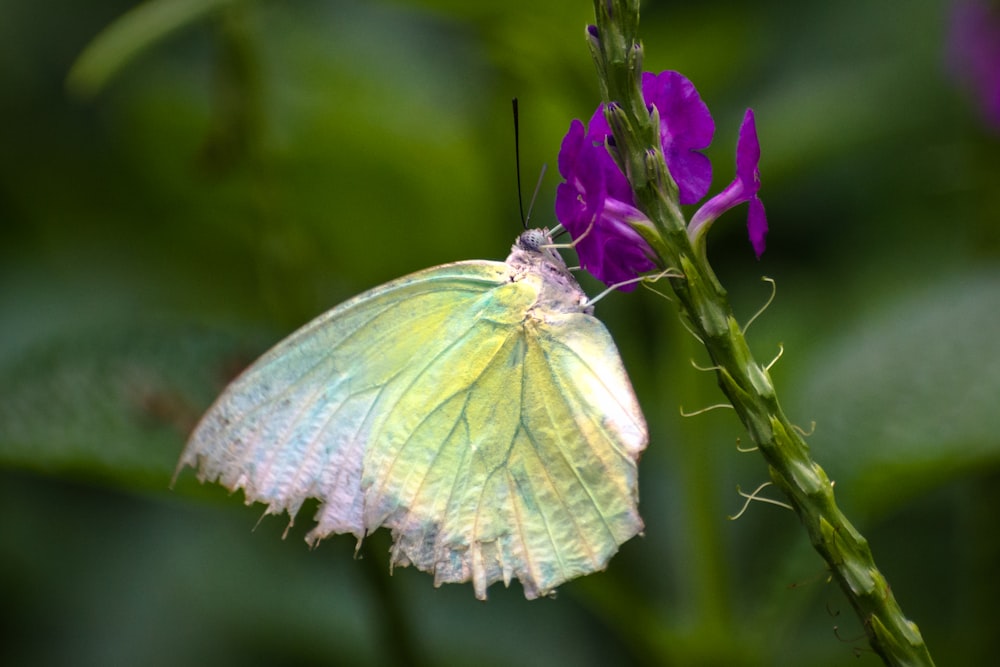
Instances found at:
x=478 y=410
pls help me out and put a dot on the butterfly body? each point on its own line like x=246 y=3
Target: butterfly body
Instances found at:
x=476 y=409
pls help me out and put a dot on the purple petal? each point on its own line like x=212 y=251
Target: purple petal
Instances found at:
x=744 y=188
x=607 y=245
x=757 y=225
x=597 y=128
x=580 y=197
x=748 y=153
x=686 y=126
x=569 y=151
x=623 y=259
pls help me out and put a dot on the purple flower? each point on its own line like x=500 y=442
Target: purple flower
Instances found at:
x=744 y=188
x=595 y=206
x=975 y=52
x=595 y=203
x=686 y=127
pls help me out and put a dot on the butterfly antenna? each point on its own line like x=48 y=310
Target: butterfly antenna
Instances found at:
x=534 y=195
x=517 y=167
x=517 y=164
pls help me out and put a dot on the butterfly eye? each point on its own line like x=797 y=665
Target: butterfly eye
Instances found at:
x=532 y=239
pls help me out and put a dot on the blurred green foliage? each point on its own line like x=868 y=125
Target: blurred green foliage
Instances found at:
x=212 y=175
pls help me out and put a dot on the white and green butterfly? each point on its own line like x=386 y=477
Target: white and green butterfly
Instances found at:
x=478 y=410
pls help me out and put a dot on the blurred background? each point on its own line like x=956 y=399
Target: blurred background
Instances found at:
x=185 y=182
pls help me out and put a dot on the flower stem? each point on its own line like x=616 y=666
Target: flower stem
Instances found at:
x=746 y=383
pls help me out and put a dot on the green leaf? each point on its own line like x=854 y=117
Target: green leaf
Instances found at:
x=116 y=404
x=908 y=399
x=134 y=32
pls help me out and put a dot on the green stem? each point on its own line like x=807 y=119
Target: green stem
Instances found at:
x=747 y=384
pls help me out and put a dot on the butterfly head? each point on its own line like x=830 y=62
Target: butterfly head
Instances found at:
x=533 y=254
x=534 y=248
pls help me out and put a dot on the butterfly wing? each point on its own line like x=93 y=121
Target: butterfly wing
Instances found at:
x=493 y=441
